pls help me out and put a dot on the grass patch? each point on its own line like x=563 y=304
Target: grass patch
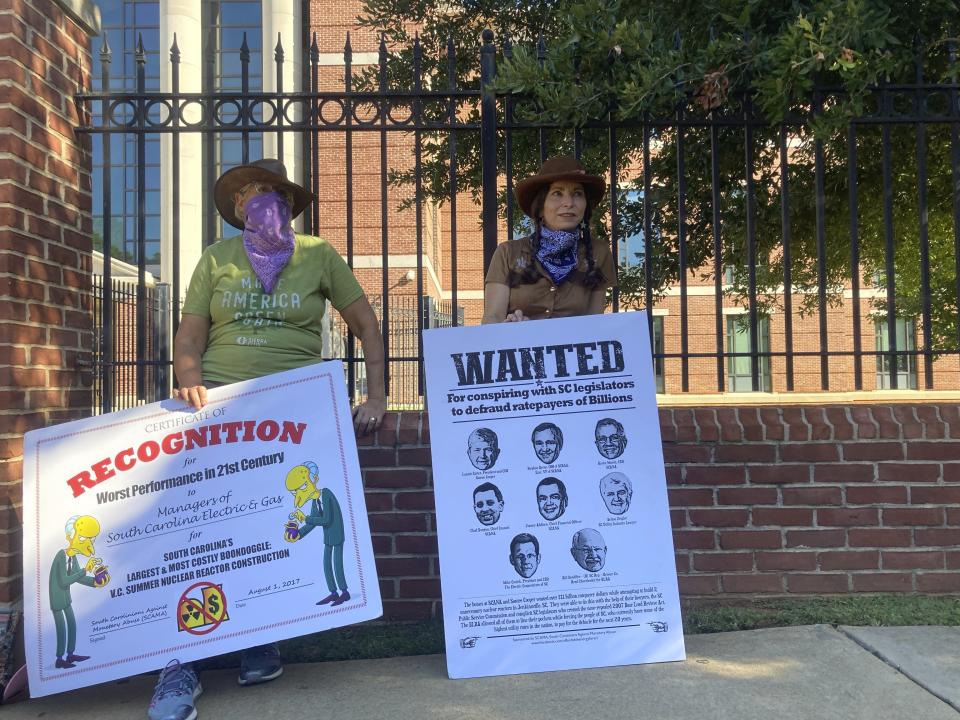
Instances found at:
x=878 y=610
x=358 y=642
x=371 y=640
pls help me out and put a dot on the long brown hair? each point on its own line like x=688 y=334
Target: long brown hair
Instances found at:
x=590 y=279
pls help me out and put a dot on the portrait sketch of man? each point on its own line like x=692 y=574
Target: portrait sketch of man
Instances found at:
x=617 y=492
x=487 y=503
x=525 y=554
x=547 y=441
x=589 y=550
x=610 y=438
x=551 y=498
x=483 y=448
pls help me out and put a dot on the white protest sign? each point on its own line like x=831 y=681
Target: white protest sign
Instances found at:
x=556 y=549
x=160 y=532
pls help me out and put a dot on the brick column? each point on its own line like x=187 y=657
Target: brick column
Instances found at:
x=46 y=333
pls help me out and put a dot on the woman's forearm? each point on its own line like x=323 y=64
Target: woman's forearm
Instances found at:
x=372 y=343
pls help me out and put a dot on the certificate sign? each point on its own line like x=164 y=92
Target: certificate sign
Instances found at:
x=162 y=532
x=555 y=544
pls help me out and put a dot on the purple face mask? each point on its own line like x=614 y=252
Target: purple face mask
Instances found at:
x=268 y=237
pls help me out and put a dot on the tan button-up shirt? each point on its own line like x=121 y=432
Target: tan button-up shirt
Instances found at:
x=544 y=298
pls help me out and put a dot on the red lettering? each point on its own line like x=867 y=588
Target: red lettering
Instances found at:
x=124 y=459
x=292 y=432
x=196 y=438
x=232 y=429
x=248 y=426
x=173 y=443
x=103 y=470
x=150 y=450
x=79 y=483
x=268 y=430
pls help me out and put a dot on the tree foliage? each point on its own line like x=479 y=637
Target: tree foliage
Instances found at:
x=800 y=69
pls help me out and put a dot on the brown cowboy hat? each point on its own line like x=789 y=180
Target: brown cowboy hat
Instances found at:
x=267 y=170
x=564 y=167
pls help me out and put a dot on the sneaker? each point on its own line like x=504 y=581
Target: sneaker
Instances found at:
x=260 y=664
x=176 y=691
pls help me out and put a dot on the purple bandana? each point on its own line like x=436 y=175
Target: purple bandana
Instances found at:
x=268 y=237
x=558 y=252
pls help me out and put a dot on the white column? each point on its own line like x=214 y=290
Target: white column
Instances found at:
x=182 y=18
x=283 y=18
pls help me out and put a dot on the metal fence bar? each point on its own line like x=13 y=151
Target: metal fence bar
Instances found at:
x=751 y=211
x=132 y=361
x=854 y=255
x=384 y=110
x=891 y=304
x=141 y=60
x=488 y=146
x=349 y=109
x=107 y=349
x=919 y=106
x=682 y=247
x=821 y=231
x=452 y=177
x=787 y=257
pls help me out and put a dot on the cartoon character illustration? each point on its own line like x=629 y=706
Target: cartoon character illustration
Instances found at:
x=65 y=571
x=303 y=482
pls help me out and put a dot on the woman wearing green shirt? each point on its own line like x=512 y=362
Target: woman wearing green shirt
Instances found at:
x=254 y=306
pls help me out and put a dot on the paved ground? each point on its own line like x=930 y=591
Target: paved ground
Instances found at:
x=815 y=672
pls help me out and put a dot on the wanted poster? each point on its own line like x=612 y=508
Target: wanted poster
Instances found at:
x=556 y=549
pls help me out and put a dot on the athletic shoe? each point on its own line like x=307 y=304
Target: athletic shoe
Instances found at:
x=260 y=664
x=177 y=689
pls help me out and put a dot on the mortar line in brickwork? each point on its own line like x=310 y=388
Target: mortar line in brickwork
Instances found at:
x=897 y=668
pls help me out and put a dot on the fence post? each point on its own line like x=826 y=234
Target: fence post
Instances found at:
x=488 y=146
x=163 y=308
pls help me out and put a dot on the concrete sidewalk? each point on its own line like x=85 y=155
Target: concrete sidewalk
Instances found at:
x=816 y=672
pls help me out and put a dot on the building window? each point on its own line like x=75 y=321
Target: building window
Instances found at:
x=631 y=250
x=123 y=23
x=906 y=365
x=658 y=353
x=227 y=22
x=739 y=375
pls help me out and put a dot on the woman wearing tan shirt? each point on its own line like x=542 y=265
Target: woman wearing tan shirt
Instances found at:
x=557 y=271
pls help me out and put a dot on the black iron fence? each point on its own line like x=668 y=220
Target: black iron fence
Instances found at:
x=772 y=258
x=131 y=347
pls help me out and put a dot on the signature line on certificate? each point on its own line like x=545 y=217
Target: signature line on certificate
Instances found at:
x=295 y=587
x=127 y=627
x=190 y=527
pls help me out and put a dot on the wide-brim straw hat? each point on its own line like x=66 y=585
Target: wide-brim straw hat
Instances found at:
x=267 y=170
x=564 y=167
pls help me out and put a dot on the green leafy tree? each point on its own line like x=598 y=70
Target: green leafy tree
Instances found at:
x=800 y=69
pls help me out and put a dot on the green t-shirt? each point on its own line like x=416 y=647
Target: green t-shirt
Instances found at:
x=253 y=333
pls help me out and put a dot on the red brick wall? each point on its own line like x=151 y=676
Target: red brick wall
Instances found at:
x=764 y=501
x=45 y=244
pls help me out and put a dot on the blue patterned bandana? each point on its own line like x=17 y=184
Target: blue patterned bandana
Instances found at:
x=558 y=252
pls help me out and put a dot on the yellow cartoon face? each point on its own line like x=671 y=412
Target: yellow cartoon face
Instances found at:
x=85 y=529
x=301 y=485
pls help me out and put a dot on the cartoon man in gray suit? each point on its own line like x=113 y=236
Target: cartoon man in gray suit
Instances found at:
x=303 y=482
